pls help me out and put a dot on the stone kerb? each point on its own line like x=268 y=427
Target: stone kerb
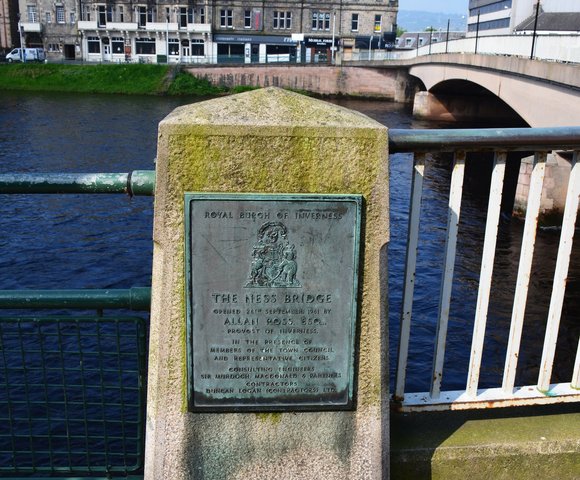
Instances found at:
x=267 y=141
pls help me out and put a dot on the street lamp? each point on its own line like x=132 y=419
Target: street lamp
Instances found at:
x=332 y=48
x=447 y=36
x=22 y=54
x=477 y=32
x=535 y=29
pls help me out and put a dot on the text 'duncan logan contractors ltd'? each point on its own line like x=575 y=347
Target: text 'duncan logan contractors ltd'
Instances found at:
x=272 y=284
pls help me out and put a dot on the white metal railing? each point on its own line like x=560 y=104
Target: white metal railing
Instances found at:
x=499 y=141
x=558 y=48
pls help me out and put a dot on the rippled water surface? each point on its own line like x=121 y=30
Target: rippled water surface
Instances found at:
x=104 y=241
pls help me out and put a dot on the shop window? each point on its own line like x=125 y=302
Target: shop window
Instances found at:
x=226 y=18
x=93 y=45
x=145 y=46
x=118 y=45
x=197 y=48
x=173 y=46
x=354 y=22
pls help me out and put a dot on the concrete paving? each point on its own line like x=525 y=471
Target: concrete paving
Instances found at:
x=511 y=443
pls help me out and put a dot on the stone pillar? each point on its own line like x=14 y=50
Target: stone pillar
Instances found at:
x=267 y=141
x=554 y=187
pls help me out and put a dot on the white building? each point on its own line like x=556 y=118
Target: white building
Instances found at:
x=503 y=17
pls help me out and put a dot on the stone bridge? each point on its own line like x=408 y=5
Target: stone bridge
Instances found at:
x=543 y=94
x=444 y=86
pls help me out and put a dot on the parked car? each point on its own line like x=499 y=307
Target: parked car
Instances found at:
x=26 y=55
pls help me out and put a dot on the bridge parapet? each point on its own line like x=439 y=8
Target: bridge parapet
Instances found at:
x=563 y=74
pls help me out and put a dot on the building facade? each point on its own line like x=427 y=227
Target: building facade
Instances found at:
x=8 y=24
x=502 y=17
x=202 y=31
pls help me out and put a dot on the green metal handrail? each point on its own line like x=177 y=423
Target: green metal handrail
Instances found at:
x=136 y=298
x=138 y=182
x=484 y=139
x=142 y=182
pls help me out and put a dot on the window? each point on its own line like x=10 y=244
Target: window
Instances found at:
x=202 y=15
x=282 y=20
x=185 y=15
x=145 y=46
x=93 y=45
x=87 y=12
x=121 y=13
x=197 y=48
x=32 y=13
x=354 y=22
x=53 y=47
x=320 y=21
x=247 y=19
x=490 y=25
x=226 y=18
x=493 y=7
x=408 y=42
x=378 y=23
x=182 y=17
x=102 y=9
x=118 y=45
x=173 y=44
x=142 y=16
x=48 y=17
x=72 y=17
x=59 y=14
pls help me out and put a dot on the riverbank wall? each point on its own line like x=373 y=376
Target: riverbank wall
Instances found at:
x=393 y=84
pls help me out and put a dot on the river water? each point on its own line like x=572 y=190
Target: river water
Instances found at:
x=104 y=241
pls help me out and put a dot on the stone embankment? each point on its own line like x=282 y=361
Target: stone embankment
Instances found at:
x=388 y=83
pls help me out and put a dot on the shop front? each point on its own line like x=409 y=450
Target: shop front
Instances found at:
x=318 y=49
x=253 y=49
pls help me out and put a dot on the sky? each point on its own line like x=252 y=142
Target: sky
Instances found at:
x=445 y=6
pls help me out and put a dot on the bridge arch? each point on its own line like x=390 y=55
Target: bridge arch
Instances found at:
x=465 y=100
x=538 y=102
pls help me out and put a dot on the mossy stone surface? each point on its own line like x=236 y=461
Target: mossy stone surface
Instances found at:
x=266 y=141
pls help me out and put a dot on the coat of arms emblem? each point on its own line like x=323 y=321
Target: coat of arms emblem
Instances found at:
x=273 y=258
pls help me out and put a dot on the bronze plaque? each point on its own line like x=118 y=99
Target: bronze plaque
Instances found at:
x=272 y=283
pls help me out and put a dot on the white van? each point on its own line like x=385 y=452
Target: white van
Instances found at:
x=26 y=55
